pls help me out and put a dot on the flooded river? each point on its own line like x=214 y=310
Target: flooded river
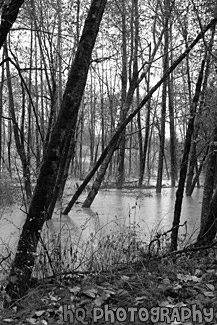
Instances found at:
x=112 y=209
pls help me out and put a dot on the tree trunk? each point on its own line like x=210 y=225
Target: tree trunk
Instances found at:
x=23 y=264
x=98 y=181
x=17 y=136
x=193 y=157
x=124 y=108
x=196 y=177
x=1 y=111
x=209 y=228
x=10 y=12
x=147 y=131
x=207 y=222
x=173 y=159
x=184 y=163
x=164 y=97
x=115 y=137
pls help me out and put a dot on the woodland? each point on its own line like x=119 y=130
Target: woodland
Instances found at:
x=113 y=94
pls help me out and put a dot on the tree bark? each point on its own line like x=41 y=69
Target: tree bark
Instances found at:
x=23 y=264
x=164 y=96
x=209 y=227
x=147 y=131
x=98 y=181
x=193 y=156
x=196 y=177
x=207 y=223
x=9 y=15
x=124 y=106
x=1 y=111
x=184 y=163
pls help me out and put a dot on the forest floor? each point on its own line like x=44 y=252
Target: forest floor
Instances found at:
x=152 y=290
x=180 y=288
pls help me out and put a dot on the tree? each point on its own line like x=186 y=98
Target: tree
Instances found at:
x=184 y=163
x=39 y=210
x=114 y=140
x=167 y=10
x=10 y=12
x=193 y=155
x=208 y=225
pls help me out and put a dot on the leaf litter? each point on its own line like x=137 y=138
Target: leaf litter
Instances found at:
x=151 y=283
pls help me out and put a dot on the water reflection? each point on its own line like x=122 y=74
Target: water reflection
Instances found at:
x=111 y=210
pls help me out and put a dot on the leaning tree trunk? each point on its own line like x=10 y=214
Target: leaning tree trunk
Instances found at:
x=10 y=12
x=23 y=264
x=123 y=125
x=196 y=177
x=184 y=163
x=98 y=181
x=193 y=156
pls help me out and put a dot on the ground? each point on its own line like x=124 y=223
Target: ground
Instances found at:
x=185 y=282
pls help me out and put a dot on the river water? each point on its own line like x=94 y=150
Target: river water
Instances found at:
x=111 y=211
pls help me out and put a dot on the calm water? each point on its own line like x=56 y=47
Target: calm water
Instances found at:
x=110 y=211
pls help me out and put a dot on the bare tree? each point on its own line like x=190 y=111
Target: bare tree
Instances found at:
x=112 y=145
x=184 y=163
x=39 y=210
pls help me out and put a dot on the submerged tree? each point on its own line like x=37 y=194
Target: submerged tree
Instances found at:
x=39 y=210
x=114 y=140
x=184 y=163
x=164 y=95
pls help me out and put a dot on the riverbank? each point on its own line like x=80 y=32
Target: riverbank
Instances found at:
x=151 y=290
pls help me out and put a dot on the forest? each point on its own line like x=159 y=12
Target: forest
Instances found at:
x=108 y=95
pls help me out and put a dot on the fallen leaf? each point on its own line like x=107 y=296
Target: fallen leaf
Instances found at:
x=99 y=301
x=122 y=292
x=75 y=289
x=125 y=278
x=31 y=320
x=39 y=313
x=164 y=303
x=211 y=287
x=142 y=298
x=43 y=322
x=198 y=272
x=166 y=281
x=92 y=292
x=208 y=294
x=8 y=320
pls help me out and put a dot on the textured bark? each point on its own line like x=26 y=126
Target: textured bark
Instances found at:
x=164 y=98
x=173 y=159
x=124 y=106
x=193 y=156
x=196 y=177
x=208 y=229
x=10 y=12
x=1 y=110
x=25 y=257
x=147 y=131
x=207 y=222
x=184 y=163
x=192 y=164
x=100 y=176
